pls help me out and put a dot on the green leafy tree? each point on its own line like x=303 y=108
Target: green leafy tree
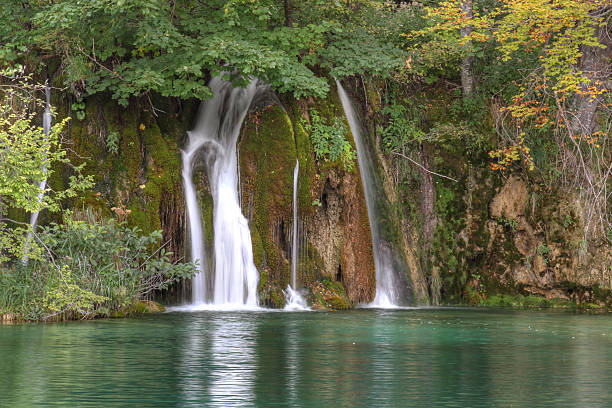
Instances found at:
x=27 y=157
x=543 y=65
x=135 y=47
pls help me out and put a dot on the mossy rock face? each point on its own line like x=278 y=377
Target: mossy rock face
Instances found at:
x=138 y=308
x=140 y=181
x=335 y=239
x=267 y=160
x=515 y=234
x=148 y=306
x=295 y=112
x=338 y=225
x=389 y=204
x=328 y=295
x=270 y=293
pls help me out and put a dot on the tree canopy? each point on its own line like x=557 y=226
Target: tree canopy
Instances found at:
x=130 y=47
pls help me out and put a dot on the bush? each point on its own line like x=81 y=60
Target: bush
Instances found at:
x=399 y=130
x=329 y=141
x=89 y=269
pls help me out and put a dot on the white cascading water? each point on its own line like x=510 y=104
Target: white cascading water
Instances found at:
x=43 y=183
x=294 y=248
x=294 y=301
x=198 y=254
x=234 y=283
x=386 y=294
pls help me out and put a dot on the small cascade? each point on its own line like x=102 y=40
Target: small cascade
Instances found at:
x=43 y=184
x=213 y=141
x=386 y=293
x=198 y=255
x=293 y=299
x=294 y=249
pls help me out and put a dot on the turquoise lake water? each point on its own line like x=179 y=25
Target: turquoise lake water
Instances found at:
x=360 y=358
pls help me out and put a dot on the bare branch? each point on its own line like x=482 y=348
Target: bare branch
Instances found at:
x=421 y=166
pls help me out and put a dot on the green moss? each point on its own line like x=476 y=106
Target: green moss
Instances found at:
x=450 y=210
x=154 y=180
x=267 y=157
x=138 y=217
x=528 y=301
x=147 y=306
x=138 y=308
x=145 y=168
x=277 y=298
x=207 y=207
x=328 y=294
x=257 y=243
x=263 y=281
x=602 y=294
x=270 y=294
x=306 y=157
x=86 y=144
x=311 y=267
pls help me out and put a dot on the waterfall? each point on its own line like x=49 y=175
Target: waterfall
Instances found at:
x=213 y=140
x=43 y=183
x=386 y=293
x=294 y=248
x=294 y=300
x=198 y=255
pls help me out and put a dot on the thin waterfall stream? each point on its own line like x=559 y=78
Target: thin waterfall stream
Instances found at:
x=198 y=252
x=386 y=286
x=295 y=301
x=294 y=248
x=213 y=142
x=43 y=184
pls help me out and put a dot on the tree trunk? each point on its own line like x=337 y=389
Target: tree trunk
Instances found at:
x=288 y=13
x=428 y=197
x=595 y=65
x=467 y=64
x=428 y=205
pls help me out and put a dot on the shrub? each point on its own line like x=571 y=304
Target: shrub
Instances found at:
x=88 y=269
x=329 y=141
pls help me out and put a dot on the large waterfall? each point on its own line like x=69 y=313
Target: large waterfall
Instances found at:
x=213 y=140
x=386 y=286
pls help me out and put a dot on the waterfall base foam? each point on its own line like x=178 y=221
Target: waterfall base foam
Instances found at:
x=294 y=300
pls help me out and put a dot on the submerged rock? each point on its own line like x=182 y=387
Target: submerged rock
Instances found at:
x=140 y=307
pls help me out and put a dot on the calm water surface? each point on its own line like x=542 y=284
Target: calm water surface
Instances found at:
x=361 y=358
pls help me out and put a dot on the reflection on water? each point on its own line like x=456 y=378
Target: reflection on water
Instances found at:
x=292 y=379
x=194 y=355
x=363 y=358
x=217 y=361
x=232 y=360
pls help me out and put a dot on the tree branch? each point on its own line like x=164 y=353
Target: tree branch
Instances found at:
x=422 y=167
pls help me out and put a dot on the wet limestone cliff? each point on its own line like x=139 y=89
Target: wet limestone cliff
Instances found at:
x=479 y=236
x=335 y=261
x=133 y=154
x=135 y=160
